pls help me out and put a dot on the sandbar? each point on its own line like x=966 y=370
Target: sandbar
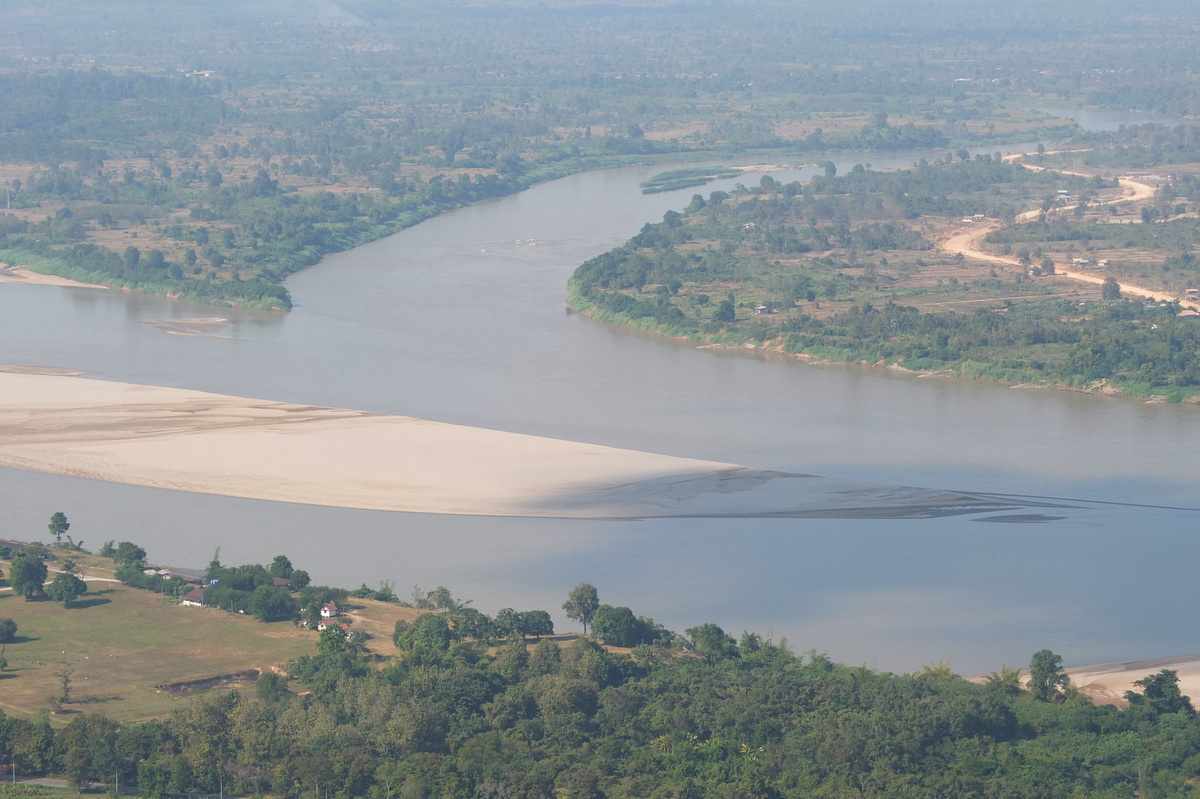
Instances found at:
x=207 y=443
x=25 y=276
x=1106 y=683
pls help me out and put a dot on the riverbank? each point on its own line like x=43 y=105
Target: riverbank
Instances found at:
x=23 y=275
x=259 y=449
x=756 y=272
x=1106 y=683
x=832 y=355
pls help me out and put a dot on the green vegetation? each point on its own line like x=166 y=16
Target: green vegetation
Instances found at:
x=27 y=574
x=8 y=789
x=8 y=630
x=447 y=713
x=838 y=269
x=123 y=643
x=66 y=588
x=685 y=178
x=700 y=714
x=211 y=161
x=1151 y=246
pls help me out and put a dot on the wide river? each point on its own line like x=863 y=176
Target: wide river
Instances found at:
x=461 y=319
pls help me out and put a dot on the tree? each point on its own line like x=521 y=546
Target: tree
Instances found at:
x=27 y=576
x=58 y=525
x=300 y=579
x=1111 y=289
x=537 y=623
x=64 y=675
x=310 y=616
x=8 y=631
x=1161 y=693
x=508 y=621
x=66 y=588
x=471 y=623
x=615 y=626
x=78 y=765
x=281 y=567
x=512 y=660
x=270 y=687
x=725 y=312
x=1046 y=677
x=128 y=552
x=269 y=603
x=441 y=598
x=1006 y=681
x=332 y=640
x=582 y=604
x=711 y=642
x=426 y=639
x=356 y=641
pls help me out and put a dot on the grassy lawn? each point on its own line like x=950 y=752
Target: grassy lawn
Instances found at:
x=122 y=642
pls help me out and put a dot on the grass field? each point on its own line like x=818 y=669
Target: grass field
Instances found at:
x=121 y=642
x=20 y=789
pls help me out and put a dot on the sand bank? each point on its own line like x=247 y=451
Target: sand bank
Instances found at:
x=1106 y=683
x=20 y=274
x=260 y=449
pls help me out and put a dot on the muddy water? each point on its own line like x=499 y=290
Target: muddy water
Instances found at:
x=462 y=319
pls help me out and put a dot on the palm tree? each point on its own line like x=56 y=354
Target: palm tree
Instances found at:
x=1007 y=680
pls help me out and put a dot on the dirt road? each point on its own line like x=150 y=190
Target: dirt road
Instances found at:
x=968 y=243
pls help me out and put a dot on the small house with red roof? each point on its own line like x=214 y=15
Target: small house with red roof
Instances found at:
x=325 y=624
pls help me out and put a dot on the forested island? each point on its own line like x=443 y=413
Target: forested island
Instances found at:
x=851 y=268
x=222 y=146
x=453 y=702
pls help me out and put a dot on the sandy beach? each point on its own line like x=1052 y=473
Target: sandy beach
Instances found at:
x=1106 y=683
x=58 y=423
x=22 y=275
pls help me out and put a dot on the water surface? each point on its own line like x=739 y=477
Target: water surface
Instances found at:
x=461 y=319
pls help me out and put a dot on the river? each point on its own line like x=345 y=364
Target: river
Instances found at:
x=461 y=319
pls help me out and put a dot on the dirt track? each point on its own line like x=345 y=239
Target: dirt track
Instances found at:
x=968 y=244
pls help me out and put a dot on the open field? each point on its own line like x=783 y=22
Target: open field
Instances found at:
x=122 y=642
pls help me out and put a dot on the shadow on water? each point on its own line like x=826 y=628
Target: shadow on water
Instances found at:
x=745 y=493
x=1022 y=518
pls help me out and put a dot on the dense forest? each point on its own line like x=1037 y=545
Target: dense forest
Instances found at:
x=485 y=706
x=222 y=146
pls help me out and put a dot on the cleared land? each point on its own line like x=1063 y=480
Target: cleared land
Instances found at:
x=123 y=644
